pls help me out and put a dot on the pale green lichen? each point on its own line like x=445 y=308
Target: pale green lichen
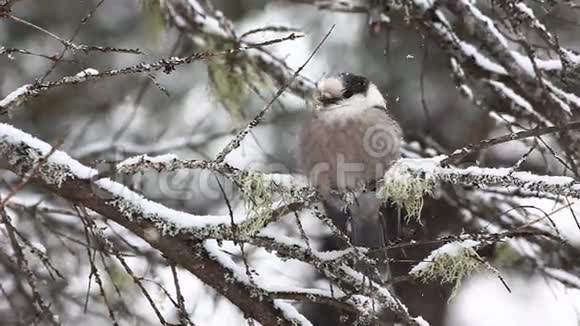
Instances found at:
x=405 y=190
x=153 y=18
x=228 y=87
x=232 y=82
x=258 y=198
x=449 y=264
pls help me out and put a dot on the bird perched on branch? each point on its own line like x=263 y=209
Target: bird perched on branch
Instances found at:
x=350 y=142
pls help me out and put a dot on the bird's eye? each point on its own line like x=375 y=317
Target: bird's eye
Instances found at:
x=347 y=94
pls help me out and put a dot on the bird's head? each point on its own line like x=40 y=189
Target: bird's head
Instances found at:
x=347 y=91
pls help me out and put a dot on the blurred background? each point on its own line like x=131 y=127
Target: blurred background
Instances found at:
x=194 y=111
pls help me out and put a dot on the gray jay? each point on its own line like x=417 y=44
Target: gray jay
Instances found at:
x=350 y=141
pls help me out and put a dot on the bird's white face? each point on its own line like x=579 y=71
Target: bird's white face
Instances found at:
x=344 y=95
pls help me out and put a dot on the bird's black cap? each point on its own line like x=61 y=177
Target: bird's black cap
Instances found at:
x=354 y=83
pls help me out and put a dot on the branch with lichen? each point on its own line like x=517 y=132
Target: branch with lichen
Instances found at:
x=68 y=178
x=407 y=183
x=167 y=65
x=176 y=232
x=449 y=263
x=20 y=153
x=409 y=179
x=205 y=26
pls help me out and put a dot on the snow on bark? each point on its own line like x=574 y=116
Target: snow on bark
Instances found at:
x=14 y=98
x=429 y=171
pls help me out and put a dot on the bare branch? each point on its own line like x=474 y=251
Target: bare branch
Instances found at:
x=166 y=65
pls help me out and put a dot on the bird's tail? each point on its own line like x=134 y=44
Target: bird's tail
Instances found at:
x=369 y=231
x=363 y=220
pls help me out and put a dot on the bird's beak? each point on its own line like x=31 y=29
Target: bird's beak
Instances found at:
x=317 y=95
x=317 y=100
x=323 y=98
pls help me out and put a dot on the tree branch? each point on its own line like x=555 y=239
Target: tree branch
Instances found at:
x=60 y=174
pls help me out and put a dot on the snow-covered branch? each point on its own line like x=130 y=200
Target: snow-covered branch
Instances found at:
x=176 y=234
x=430 y=171
x=68 y=178
x=504 y=57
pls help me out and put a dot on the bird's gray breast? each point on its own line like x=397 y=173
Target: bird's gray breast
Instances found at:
x=344 y=152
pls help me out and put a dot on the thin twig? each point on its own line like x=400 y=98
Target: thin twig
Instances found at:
x=458 y=155
x=183 y=314
x=166 y=65
x=235 y=143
